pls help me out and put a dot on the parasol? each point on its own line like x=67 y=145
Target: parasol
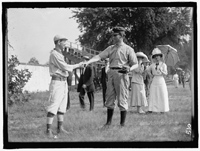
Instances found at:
x=170 y=54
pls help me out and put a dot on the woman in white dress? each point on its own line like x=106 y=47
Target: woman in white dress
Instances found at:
x=175 y=78
x=158 y=99
x=138 y=94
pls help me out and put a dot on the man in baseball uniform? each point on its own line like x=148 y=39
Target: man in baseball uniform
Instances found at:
x=122 y=59
x=58 y=88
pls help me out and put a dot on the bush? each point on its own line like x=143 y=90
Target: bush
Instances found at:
x=16 y=81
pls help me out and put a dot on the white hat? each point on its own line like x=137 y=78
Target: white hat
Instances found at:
x=141 y=54
x=86 y=57
x=146 y=60
x=156 y=52
x=59 y=37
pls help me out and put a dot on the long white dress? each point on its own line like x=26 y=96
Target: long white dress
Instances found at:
x=158 y=98
x=175 y=78
x=138 y=94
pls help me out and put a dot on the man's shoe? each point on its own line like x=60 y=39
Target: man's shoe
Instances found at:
x=149 y=112
x=62 y=131
x=121 y=125
x=50 y=134
x=104 y=127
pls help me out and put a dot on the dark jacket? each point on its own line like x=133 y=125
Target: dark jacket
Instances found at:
x=87 y=79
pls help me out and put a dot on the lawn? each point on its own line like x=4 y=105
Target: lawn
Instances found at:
x=27 y=122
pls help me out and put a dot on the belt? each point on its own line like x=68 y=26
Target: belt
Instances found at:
x=59 y=78
x=115 y=68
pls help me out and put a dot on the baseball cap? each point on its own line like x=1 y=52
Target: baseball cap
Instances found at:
x=59 y=37
x=118 y=29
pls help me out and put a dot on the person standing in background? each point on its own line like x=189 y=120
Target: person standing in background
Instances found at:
x=138 y=94
x=158 y=98
x=104 y=79
x=58 y=88
x=146 y=77
x=86 y=85
x=183 y=78
x=176 y=79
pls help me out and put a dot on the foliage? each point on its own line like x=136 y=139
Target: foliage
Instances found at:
x=34 y=61
x=16 y=81
x=146 y=27
x=186 y=55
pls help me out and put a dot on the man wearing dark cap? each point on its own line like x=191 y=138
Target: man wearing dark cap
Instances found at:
x=122 y=59
x=86 y=85
x=58 y=88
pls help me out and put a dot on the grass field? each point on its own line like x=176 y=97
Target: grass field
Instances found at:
x=27 y=122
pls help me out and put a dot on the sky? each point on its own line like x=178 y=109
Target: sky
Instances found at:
x=31 y=31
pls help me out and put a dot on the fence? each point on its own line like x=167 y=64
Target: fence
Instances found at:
x=40 y=78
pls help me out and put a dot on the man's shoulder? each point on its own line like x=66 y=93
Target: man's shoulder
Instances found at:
x=110 y=47
x=128 y=47
x=53 y=52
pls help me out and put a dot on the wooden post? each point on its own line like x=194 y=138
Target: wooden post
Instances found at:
x=75 y=73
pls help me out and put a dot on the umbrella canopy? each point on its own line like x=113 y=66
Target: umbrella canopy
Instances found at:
x=170 y=54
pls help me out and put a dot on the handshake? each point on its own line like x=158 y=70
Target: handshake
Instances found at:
x=82 y=64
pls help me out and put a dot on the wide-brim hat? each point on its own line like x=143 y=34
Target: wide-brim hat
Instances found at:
x=59 y=37
x=156 y=52
x=147 y=60
x=142 y=55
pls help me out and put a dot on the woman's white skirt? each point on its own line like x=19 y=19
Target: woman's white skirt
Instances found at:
x=138 y=95
x=158 y=98
x=176 y=83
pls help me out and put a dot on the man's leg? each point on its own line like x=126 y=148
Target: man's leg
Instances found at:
x=91 y=99
x=123 y=118
x=122 y=89
x=109 y=116
x=60 y=128
x=81 y=98
x=68 y=102
x=50 y=117
x=110 y=99
x=104 y=96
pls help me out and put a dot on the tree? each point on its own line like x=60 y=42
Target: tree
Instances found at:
x=16 y=81
x=146 y=26
x=34 y=61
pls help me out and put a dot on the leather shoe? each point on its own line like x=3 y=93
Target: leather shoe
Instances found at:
x=50 y=134
x=104 y=127
x=62 y=131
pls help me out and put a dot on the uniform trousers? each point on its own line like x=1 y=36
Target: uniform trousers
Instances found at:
x=117 y=89
x=58 y=97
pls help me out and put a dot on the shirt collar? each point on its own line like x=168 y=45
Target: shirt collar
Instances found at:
x=121 y=44
x=58 y=50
